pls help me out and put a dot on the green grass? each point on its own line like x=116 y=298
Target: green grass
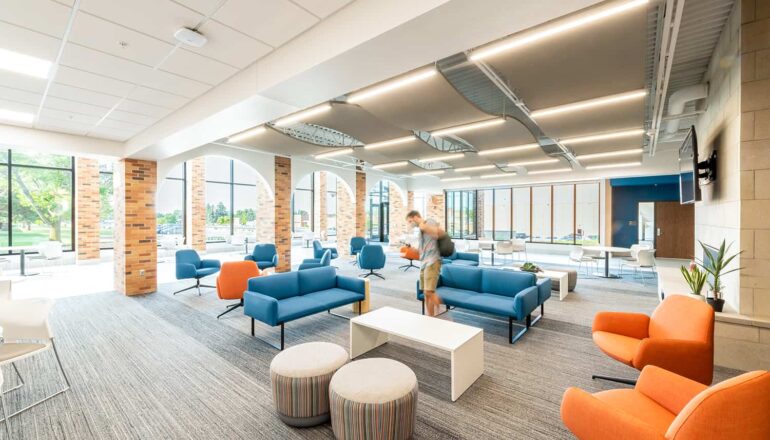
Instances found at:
x=37 y=234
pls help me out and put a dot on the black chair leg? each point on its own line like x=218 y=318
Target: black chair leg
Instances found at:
x=186 y=289
x=631 y=382
x=230 y=308
x=266 y=342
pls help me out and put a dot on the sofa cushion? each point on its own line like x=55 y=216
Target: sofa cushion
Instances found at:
x=206 y=271
x=494 y=304
x=454 y=296
x=335 y=297
x=279 y=286
x=507 y=283
x=317 y=279
x=297 y=307
x=461 y=277
x=461 y=262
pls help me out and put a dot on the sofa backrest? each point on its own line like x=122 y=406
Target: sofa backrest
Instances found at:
x=279 y=286
x=506 y=282
x=317 y=279
x=461 y=277
x=189 y=256
x=263 y=252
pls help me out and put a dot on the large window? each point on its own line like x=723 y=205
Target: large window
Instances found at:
x=378 y=221
x=106 y=204
x=302 y=205
x=587 y=213
x=488 y=210
x=521 y=213
x=563 y=214
x=331 y=205
x=231 y=199
x=40 y=190
x=171 y=203
x=461 y=214
x=502 y=214
x=541 y=213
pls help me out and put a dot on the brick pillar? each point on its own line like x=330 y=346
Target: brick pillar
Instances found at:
x=410 y=200
x=397 y=214
x=346 y=214
x=360 y=204
x=88 y=206
x=135 y=261
x=283 y=212
x=265 y=215
x=436 y=209
x=320 y=193
x=196 y=203
x=480 y=214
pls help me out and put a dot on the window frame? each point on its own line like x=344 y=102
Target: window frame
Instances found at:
x=232 y=184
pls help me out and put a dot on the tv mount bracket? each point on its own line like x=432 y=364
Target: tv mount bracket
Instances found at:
x=707 y=169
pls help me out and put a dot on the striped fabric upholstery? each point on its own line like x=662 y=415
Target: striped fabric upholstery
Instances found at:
x=301 y=396
x=390 y=420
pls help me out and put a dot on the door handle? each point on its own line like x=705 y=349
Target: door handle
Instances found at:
x=659 y=233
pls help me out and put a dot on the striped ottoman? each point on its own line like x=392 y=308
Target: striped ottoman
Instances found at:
x=373 y=399
x=300 y=378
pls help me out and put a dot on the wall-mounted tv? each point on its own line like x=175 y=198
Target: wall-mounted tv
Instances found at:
x=689 y=189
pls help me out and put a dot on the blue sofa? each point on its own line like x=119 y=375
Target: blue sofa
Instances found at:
x=190 y=266
x=312 y=263
x=462 y=258
x=265 y=255
x=318 y=250
x=514 y=295
x=280 y=298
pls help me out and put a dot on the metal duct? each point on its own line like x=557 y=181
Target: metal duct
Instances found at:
x=680 y=98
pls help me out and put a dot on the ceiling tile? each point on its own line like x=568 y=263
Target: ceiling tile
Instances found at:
x=55 y=103
x=43 y=16
x=111 y=134
x=132 y=118
x=22 y=96
x=157 y=97
x=18 y=106
x=104 y=36
x=205 y=7
x=82 y=95
x=143 y=108
x=272 y=21
x=120 y=125
x=230 y=46
x=64 y=115
x=46 y=123
x=28 y=42
x=92 y=81
x=22 y=82
x=322 y=8
x=197 y=67
x=165 y=19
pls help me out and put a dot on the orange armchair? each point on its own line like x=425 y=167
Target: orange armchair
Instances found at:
x=666 y=406
x=679 y=336
x=233 y=280
x=410 y=254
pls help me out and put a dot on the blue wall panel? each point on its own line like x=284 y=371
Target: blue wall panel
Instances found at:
x=626 y=195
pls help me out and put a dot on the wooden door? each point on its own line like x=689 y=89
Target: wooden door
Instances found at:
x=675 y=230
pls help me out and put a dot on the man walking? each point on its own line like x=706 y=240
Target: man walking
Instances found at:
x=430 y=258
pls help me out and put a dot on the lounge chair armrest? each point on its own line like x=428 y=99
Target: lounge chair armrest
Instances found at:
x=353 y=284
x=210 y=264
x=679 y=356
x=526 y=301
x=249 y=258
x=668 y=389
x=261 y=307
x=633 y=325
x=185 y=270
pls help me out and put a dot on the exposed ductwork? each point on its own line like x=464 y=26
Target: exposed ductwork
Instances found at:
x=680 y=98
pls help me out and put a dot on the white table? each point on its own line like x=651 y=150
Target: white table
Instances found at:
x=491 y=244
x=607 y=250
x=22 y=250
x=464 y=343
x=563 y=278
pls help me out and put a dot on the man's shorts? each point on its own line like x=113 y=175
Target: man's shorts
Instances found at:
x=429 y=276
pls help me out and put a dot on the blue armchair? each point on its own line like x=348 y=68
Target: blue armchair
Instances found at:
x=371 y=258
x=190 y=266
x=312 y=263
x=265 y=255
x=356 y=244
x=318 y=250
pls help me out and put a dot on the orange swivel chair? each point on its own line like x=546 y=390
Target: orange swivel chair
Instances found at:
x=233 y=280
x=666 y=406
x=679 y=336
x=410 y=254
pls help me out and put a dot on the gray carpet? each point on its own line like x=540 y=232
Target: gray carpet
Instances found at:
x=163 y=367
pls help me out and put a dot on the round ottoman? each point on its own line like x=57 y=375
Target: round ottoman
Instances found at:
x=300 y=378
x=373 y=399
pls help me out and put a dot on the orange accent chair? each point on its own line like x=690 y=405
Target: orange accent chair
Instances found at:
x=679 y=336
x=233 y=280
x=411 y=254
x=666 y=406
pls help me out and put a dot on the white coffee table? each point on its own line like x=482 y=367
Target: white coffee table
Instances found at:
x=563 y=278
x=464 y=343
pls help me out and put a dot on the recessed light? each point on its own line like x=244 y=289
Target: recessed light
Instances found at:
x=474 y=168
x=24 y=64
x=394 y=84
x=385 y=166
x=590 y=103
x=532 y=162
x=428 y=173
x=509 y=149
x=557 y=170
x=455 y=179
x=441 y=157
x=401 y=140
x=339 y=152
x=566 y=25
x=296 y=117
x=611 y=154
x=613 y=165
x=14 y=116
x=246 y=134
x=494 y=176
x=467 y=127
x=602 y=137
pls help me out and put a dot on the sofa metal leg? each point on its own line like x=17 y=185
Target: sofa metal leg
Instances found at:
x=230 y=308
x=360 y=304
x=18 y=375
x=282 y=332
x=186 y=289
x=631 y=382
x=423 y=306
x=252 y=326
x=538 y=317
x=513 y=338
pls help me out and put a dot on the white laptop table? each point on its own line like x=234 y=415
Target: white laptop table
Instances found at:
x=464 y=343
x=563 y=278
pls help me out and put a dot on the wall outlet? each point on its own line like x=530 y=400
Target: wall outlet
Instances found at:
x=141 y=272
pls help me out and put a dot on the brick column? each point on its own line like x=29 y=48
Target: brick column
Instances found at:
x=360 y=204
x=346 y=214
x=88 y=206
x=283 y=212
x=480 y=214
x=410 y=200
x=436 y=209
x=265 y=215
x=397 y=214
x=135 y=261
x=320 y=193
x=196 y=204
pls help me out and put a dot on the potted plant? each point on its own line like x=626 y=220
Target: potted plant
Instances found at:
x=715 y=264
x=530 y=267
x=695 y=277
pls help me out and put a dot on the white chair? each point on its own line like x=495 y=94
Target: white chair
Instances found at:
x=27 y=333
x=520 y=246
x=49 y=252
x=486 y=246
x=578 y=256
x=505 y=248
x=461 y=245
x=168 y=244
x=473 y=246
x=645 y=259
x=307 y=238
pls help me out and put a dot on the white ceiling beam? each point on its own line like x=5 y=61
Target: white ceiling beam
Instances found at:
x=58 y=143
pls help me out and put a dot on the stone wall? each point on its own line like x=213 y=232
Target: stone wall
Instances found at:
x=397 y=213
x=283 y=212
x=265 y=215
x=88 y=206
x=135 y=255
x=360 y=204
x=436 y=209
x=346 y=218
x=196 y=209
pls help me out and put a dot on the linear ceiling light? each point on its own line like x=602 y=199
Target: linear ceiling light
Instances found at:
x=474 y=168
x=24 y=64
x=394 y=84
x=590 y=103
x=246 y=135
x=14 y=116
x=567 y=25
x=296 y=117
x=613 y=165
x=602 y=137
x=428 y=173
x=401 y=140
x=455 y=179
x=442 y=157
x=611 y=154
x=467 y=127
x=494 y=176
x=556 y=170
x=532 y=162
x=340 y=152
x=509 y=149
x=385 y=166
